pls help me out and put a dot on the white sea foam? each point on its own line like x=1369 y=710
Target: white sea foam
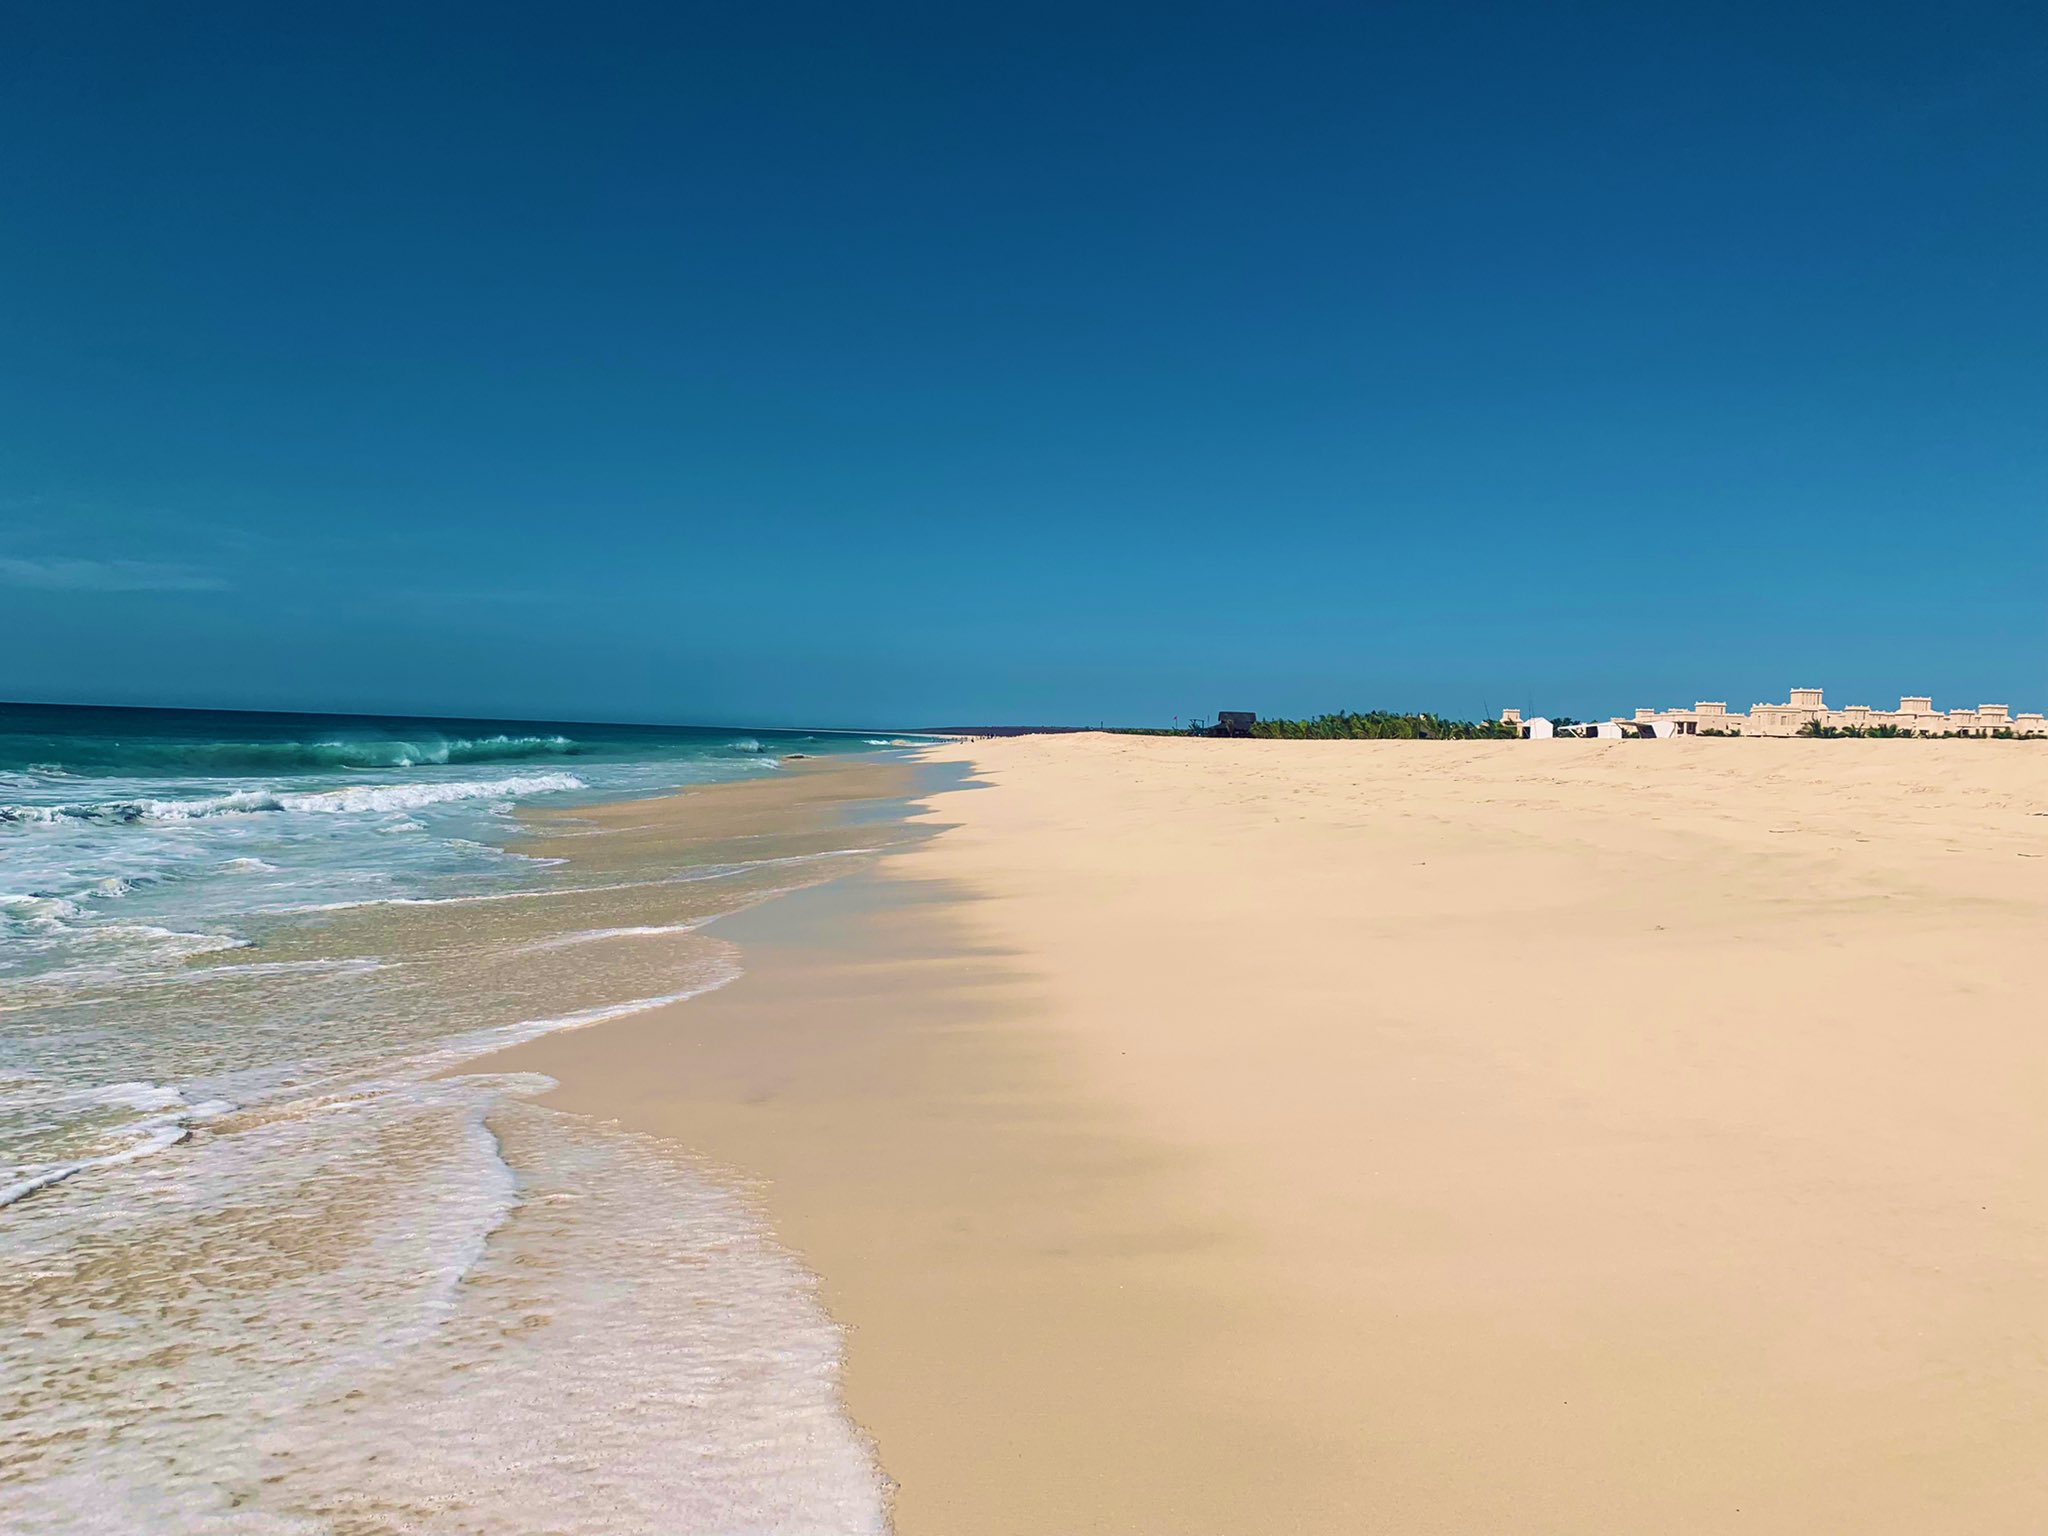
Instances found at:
x=209 y=974
x=352 y=966
x=37 y=910
x=273 y=1271
x=461 y=1364
x=145 y=1097
x=111 y=950
x=346 y=801
x=164 y=941
x=167 y=1121
x=720 y=970
x=708 y=872
x=475 y=899
x=151 y=1137
x=598 y=935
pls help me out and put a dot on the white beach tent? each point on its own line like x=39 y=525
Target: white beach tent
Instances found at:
x=1606 y=730
x=1536 y=728
x=1657 y=728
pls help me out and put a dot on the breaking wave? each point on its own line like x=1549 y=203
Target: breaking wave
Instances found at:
x=354 y=799
x=278 y=1241
x=174 y=758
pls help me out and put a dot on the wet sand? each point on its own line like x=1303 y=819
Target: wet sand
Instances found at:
x=1562 y=1137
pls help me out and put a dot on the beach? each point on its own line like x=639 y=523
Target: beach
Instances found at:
x=1204 y=1136
x=627 y=906
x=278 y=1256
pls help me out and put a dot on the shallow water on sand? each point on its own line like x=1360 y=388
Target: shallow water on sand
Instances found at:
x=275 y=1261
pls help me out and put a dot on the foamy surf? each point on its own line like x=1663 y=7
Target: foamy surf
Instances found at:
x=463 y=1368
x=150 y=1137
x=549 y=892
x=720 y=970
x=326 y=802
x=279 y=1270
x=600 y=935
x=162 y=1119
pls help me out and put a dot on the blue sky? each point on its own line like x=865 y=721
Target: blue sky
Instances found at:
x=923 y=364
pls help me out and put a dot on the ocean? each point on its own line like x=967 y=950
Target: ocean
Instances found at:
x=271 y=1259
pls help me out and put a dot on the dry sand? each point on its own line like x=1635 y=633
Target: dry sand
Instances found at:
x=1558 y=1137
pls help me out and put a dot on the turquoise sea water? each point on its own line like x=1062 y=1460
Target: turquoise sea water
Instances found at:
x=259 y=1222
x=111 y=815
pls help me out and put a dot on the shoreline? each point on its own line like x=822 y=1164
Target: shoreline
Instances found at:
x=878 y=1082
x=1202 y=1137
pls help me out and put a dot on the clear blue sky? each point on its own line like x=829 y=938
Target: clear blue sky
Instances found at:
x=918 y=364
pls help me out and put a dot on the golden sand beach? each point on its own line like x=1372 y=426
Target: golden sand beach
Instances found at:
x=1227 y=1137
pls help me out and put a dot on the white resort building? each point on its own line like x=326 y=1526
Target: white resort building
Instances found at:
x=1805 y=712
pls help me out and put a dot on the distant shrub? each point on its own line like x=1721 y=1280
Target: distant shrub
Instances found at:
x=1385 y=725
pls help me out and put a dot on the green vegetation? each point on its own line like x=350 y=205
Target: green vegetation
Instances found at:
x=1890 y=732
x=1383 y=725
x=1372 y=725
x=1833 y=732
